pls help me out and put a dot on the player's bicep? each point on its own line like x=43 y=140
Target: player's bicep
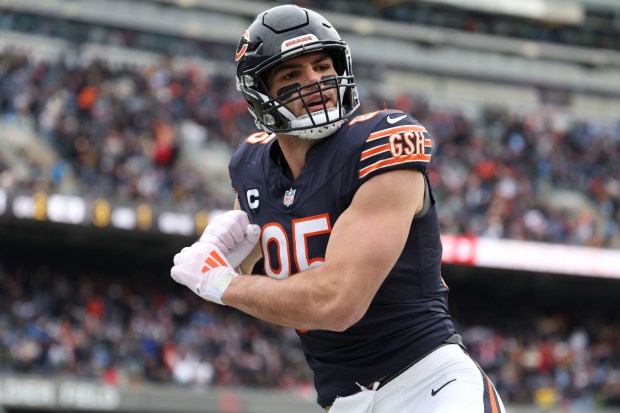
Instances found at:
x=370 y=235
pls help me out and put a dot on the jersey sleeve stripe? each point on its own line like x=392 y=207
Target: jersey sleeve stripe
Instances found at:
x=374 y=151
x=389 y=131
x=393 y=161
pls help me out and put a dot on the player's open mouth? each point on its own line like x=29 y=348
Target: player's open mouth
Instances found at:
x=315 y=105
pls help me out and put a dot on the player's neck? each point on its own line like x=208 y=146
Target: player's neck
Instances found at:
x=294 y=150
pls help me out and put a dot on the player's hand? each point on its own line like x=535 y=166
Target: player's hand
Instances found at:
x=233 y=234
x=204 y=270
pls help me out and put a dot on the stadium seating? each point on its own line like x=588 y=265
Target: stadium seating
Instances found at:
x=497 y=173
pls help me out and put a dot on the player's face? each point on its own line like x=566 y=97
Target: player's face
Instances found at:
x=301 y=71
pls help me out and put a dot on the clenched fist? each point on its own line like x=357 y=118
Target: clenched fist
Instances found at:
x=233 y=234
x=204 y=270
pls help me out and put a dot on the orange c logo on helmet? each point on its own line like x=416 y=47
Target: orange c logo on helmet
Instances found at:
x=243 y=45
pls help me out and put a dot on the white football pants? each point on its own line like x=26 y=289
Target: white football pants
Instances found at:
x=445 y=381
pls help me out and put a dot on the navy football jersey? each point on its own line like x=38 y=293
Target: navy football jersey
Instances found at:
x=408 y=317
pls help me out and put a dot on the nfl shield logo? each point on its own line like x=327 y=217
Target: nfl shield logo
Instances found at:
x=289 y=197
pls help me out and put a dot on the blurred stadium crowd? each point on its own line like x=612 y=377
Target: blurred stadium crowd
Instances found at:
x=496 y=173
x=119 y=132
x=117 y=129
x=111 y=325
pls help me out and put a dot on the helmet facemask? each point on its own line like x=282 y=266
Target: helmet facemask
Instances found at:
x=314 y=123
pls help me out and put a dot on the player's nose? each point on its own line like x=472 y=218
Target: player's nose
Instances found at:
x=311 y=76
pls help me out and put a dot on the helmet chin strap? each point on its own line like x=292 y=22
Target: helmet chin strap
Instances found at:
x=319 y=133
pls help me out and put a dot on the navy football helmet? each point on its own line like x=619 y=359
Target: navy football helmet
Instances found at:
x=282 y=33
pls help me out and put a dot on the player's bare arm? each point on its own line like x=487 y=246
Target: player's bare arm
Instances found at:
x=364 y=245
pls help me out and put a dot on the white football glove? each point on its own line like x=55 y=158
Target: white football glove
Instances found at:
x=233 y=234
x=204 y=270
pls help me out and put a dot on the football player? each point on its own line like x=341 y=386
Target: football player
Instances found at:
x=340 y=212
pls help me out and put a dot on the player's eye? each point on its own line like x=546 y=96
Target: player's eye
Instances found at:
x=288 y=76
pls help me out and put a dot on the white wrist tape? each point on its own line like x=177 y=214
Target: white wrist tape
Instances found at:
x=220 y=281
